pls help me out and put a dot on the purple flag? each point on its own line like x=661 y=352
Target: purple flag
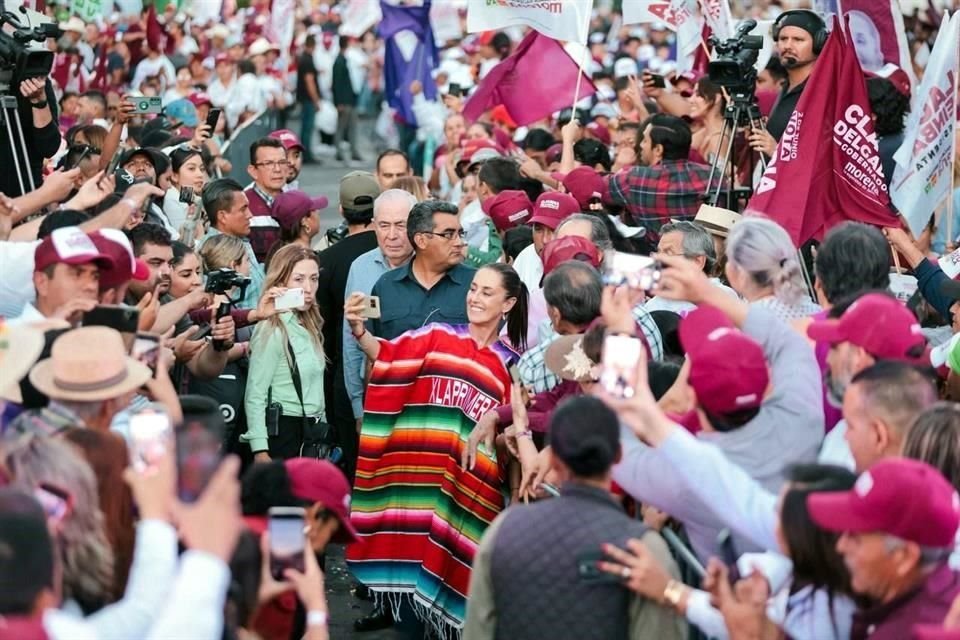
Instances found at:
x=533 y=82
x=399 y=71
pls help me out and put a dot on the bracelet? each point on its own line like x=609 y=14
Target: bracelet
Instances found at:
x=317 y=618
x=357 y=336
x=39 y=105
x=525 y=434
x=673 y=593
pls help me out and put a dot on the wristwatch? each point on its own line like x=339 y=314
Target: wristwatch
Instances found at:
x=674 y=593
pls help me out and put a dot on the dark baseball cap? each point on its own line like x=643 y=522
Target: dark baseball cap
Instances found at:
x=290 y=207
x=358 y=190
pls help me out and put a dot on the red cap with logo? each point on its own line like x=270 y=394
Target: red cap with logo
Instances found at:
x=115 y=244
x=901 y=497
x=599 y=132
x=290 y=207
x=552 y=207
x=878 y=324
x=508 y=209
x=69 y=245
x=472 y=147
x=321 y=481
x=223 y=58
x=567 y=248
x=584 y=184
x=288 y=138
x=728 y=371
x=199 y=98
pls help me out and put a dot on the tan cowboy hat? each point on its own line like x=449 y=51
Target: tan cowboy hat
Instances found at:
x=74 y=24
x=716 y=220
x=88 y=364
x=566 y=358
x=19 y=349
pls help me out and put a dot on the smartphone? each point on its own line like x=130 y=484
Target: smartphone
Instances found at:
x=199 y=444
x=371 y=309
x=146 y=349
x=120 y=317
x=114 y=163
x=203 y=332
x=148 y=104
x=186 y=195
x=57 y=503
x=212 y=118
x=287 y=539
x=654 y=80
x=728 y=554
x=637 y=272
x=455 y=90
x=151 y=437
x=289 y=299
x=619 y=371
x=588 y=569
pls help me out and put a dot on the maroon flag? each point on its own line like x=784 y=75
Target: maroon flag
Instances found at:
x=100 y=69
x=827 y=166
x=533 y=82
x=156 y=38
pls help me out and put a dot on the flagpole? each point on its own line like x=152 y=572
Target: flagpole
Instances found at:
x=583 y=58
x=953 y=168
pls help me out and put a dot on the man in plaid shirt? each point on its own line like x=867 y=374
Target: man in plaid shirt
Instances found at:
x=666 y=185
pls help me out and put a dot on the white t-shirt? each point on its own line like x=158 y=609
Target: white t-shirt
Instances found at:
x=16 y=285
x=835 y=449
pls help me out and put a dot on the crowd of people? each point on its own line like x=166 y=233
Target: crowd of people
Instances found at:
x=534 y=386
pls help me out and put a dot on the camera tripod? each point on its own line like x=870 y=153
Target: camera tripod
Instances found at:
x=741 y=111
x=10 y=122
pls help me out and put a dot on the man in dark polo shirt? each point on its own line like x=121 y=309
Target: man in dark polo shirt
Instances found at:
x=800 y=36
x=269 y=168
x=358 y=190
x=433 y=286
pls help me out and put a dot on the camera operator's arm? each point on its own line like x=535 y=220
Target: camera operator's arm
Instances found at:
x=45 y=138
x=761 y=140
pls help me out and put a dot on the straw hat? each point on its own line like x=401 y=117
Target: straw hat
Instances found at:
x=716 y=220
x=88 y=364
x=566 y=358
x=20 y=347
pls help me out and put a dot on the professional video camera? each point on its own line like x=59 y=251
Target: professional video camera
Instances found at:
x=220 y=282
x=734 y=67
x=18 y=60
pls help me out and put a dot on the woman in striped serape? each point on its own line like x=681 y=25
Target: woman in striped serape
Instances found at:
x=419 y=514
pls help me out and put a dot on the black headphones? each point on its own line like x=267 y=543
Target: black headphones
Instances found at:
x=819 y=38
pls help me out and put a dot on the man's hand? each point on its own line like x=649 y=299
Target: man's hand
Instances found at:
x=59 y=184
x=153 y=492
x=72 y=310
x=185 y=349
x=453 y=103
x=140 y=191
x=149 y=307
x=486 y=431
x=616 y=309
x=761 y=140
x=683 y=279
x=225 y=330
x=125 y=110
x=8 y=211
x=92 y=192
x=200 y=135
x=639 y=570
x=198 y=299
x=649 y=88
x=213 y=523
x=530 y=168
x=34 y=89
x=571 y=132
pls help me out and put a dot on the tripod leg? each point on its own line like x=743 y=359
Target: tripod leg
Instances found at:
x=27 y=169
x=7 y=122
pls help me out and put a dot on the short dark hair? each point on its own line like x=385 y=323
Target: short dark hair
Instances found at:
x=96 y=96
x=60 y=219
x=246 y=66
x=180 y=251
x=889 y=106
x=516 y=240
x=776 y=68
x=309 y=42
x=585 y=434
x=854 y=257
x=272 y=143
x=420 y=219
x=26 y=552
x=500 y=174
x=538 y=140
x=592 y=152
x=218 y=196
x=669 y=132
x=386 y=153
x=574 y=289
x=896 y=392
x=148 y=233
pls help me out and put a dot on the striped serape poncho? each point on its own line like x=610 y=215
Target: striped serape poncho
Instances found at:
x=419 y=514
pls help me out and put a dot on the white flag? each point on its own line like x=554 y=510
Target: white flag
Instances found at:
x=359 y=17
x=922 y=177
x=716 y=13
x=560 y=19
x=681 y=16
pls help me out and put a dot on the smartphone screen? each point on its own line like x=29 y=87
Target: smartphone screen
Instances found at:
x=287 y=539
x=199 y=451
x=151 y=435
x=620 y=356
x=146 y=349
x=637 y=272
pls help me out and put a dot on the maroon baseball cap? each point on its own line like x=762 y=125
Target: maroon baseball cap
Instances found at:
x=584 y=184
x=878 y=324
x=199 y=98
x=554 y=153
x=288 y=138
x=115 y=244
x=290 y=207
x=728 y=371
x=567 y=248
x=321 y=481
x=901 y=497
x=69 y=245
x=508 y=209
x=552 y=207
x=599 y=132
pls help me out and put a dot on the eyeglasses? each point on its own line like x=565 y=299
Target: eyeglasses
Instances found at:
x=449 y=234
x=273 y=164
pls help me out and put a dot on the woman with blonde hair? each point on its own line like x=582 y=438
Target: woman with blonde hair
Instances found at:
x=286 y=361
x=225 y=252
x=414 y=185
x=764 y=267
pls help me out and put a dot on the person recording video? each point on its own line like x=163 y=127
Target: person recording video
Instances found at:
x=36 y=107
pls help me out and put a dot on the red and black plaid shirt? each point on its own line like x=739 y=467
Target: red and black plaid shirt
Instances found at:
x=672 y=190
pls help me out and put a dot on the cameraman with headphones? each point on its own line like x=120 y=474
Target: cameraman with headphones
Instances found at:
x=800 y=36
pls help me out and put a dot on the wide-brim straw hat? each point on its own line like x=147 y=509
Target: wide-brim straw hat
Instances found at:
x=20 y=346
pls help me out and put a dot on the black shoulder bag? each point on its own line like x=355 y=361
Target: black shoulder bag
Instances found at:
x=319 y=440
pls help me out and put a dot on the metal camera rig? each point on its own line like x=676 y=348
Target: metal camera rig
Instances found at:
x=20 y=61
x=735 y=73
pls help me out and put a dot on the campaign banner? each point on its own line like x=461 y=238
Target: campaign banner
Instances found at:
x=445 y=19
x=878 y=34
x=923 y=175
x=87 y=10
x=558 y=19
x=359 y=17
x=716 y=13
x=680 y=16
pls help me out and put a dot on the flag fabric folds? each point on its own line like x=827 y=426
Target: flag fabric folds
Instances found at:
x=559 y=19
x=537 y=79
x=923 y=175
x=827 y=167
x=411 y=54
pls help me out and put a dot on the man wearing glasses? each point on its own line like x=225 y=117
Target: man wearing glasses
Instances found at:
x=433 y=286
x=268 y=168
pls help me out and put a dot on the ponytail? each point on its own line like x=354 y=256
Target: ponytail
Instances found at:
x=517 y=316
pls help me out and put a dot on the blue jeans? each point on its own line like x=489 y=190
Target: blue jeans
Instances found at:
x=307 y=122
